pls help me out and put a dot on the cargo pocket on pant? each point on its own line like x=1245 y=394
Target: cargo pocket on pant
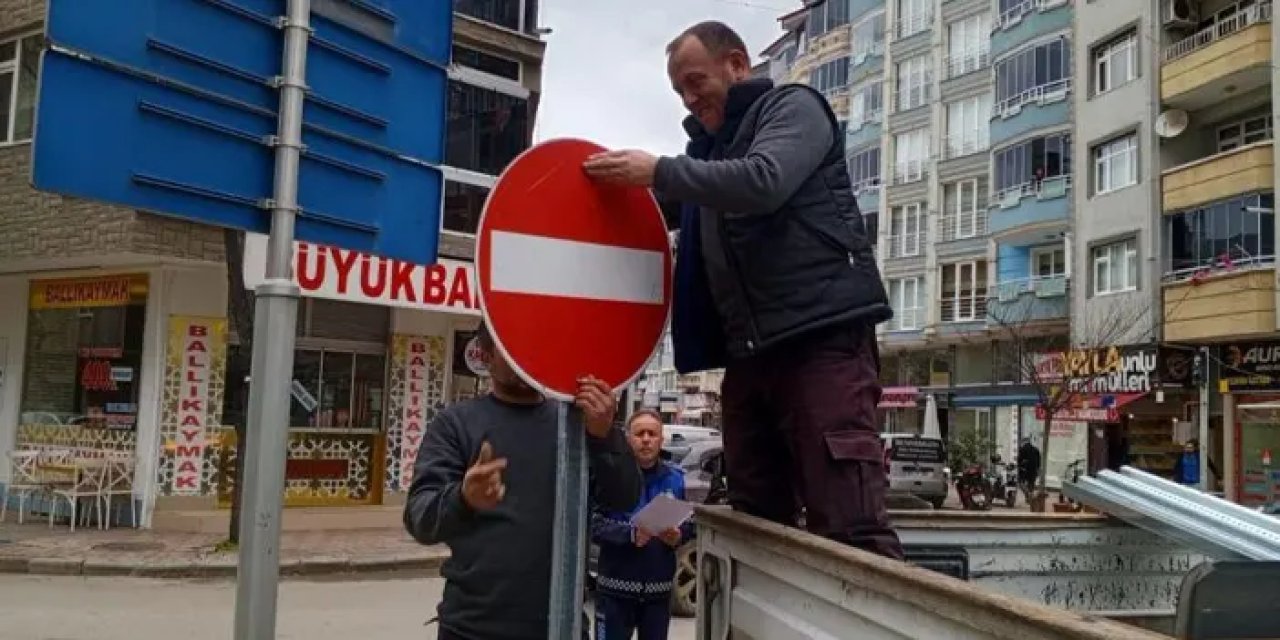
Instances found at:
x=859 y=458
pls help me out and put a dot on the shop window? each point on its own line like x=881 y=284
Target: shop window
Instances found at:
x=19 y=69
x=487 y=128
x=504 y=13
x=84 y=352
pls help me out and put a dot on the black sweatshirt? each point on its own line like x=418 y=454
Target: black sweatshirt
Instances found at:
x=498 y=576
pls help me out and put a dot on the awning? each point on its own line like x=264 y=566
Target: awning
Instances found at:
x=899 y=398
x=994 y=401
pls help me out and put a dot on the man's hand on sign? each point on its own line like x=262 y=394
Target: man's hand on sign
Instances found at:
x=671 y=537
x=640 y=537
x=626 y=167
x=482 y=487
x=598 y=406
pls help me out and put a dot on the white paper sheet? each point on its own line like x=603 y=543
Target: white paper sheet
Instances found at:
x=662 y=513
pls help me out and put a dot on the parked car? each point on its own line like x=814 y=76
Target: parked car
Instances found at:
x=917 y=466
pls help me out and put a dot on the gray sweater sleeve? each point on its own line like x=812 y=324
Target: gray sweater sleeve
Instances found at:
x=792 y=137
x=434 y=511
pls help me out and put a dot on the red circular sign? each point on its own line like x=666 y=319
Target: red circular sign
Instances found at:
x=574 y=277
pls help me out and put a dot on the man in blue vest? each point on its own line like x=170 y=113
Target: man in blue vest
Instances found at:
x=637 y=568
x=775 y=282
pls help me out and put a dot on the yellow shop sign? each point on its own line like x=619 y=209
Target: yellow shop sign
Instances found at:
x=74 y=293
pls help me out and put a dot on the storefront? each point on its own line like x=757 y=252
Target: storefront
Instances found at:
x=1250 y=384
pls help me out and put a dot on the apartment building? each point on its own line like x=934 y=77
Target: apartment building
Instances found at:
x=96 y=299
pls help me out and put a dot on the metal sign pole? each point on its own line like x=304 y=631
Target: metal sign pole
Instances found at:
x=568 y=552
x=275 y=316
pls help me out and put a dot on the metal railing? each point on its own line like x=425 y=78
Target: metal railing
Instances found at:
x=915 y=97
x=906 y=245
x=1041 y=286
x=866 y=186
x=1049 y=92
x=1235 y=260
x=1219 y=30
x=964 y=225
x=1052 y=187
x=965 y=309
x=1014 y=14
x=910 y=171
x=966 y=144
x=860 y=55
x=967 y=62
x=908 y=27
x=907 y=319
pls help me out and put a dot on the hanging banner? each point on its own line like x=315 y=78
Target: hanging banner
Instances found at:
x=414 y=412
x=199 y=343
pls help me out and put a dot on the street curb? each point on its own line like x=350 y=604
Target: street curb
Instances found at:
x=215 y=567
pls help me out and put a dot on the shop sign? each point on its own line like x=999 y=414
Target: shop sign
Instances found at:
x=352 y=276
x=76 y=293
x=468 y=358
x=1082 y=414
x=1129 y=369
x=1251 y=366
x=899 y=398
x=193 y=401
x=414 y=412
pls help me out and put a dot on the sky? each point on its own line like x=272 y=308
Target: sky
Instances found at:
x=604 y=77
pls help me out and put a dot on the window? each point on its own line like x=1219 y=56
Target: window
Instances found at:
x=827 y=16
x=1115 y=64
x=1115 y=267
x=1115 y=164
x=1048 y=262
x=864 y=169
x=914 y=82
x=965 y=210
x=964 y=291
x=906 y=297
x=488 y=63
x=1030 y=162
x=866 y=104
x=911 y=151
x=968 y=44
x=1032 y=74
x=868 y=38
x=905 y=231
x=487 y=129
x=914 y=16
x=1248 y=131
x=19 y=70
x=504 y=13
x=968 y=125
x=830 y=76
x=1238 y=231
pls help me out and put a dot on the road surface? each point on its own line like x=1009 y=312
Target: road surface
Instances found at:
x=73 y=608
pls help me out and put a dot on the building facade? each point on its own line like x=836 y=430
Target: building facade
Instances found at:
x=108 y=310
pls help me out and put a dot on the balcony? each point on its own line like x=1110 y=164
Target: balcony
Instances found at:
x=1031 y=203
x=868 y=195
x=1027 y=20
x=907 y=320
x=967 y=62
x=909 y=171
x=915 y=97
x=1218 y=177
x=959 y=145
x=1230 y=57
x=910 y=26
x=964 y=309
x=1235 y=305
x=906 y=245
x=964 y=225
x=1017 y=302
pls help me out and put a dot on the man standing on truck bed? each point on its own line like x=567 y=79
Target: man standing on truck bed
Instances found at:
x=775 y=282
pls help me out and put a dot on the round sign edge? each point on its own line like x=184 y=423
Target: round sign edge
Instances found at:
x=484 y=307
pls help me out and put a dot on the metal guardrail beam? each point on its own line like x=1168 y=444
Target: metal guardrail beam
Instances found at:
x=1219 y=528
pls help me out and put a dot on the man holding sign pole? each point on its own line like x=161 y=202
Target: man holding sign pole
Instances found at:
x=776 y=282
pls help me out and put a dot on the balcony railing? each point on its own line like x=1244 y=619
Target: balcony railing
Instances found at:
x=966 y=144
x=1043 y=94
x=910 y=171
x=964 y=225
x=861 y=54
x=907 y=319
x=906 y=245
x=1043 y=287
x=967 y=62
x=1054 y=187
x=1219 y=30
x=866 y=186
x=917 y=96
x=1235 y=260
x=1013 y=15
x=965 y=309
x=908 y=27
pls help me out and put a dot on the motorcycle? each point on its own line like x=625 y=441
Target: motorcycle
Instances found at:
x=1004 y=482
x=974 y=489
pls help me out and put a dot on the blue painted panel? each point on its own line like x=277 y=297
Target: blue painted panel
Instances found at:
x=182 y=104
x=867 y=136
x=1031 y=210
x=1033 y=117
x=1014 y=262
x=869 y=201
x=1030 y=307
x=1036 y=23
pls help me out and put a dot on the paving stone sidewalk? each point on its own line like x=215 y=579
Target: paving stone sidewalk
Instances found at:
x=34 y=548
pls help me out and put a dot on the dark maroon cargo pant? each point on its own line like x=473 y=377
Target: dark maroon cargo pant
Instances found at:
x=800 y=431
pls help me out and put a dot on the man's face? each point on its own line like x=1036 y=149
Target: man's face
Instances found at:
x=502 y=374
x=703 y=80
x=645 y=436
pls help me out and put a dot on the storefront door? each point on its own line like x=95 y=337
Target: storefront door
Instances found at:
x=1257 y=441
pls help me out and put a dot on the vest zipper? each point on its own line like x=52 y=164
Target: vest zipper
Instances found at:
x=732 y=258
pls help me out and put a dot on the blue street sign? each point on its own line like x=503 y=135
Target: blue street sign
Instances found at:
x=169 y=106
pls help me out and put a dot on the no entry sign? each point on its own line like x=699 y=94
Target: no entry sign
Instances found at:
x=574 y=278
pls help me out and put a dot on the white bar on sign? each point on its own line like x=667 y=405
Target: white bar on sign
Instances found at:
x=540 y=265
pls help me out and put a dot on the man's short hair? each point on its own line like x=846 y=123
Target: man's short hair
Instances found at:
x=719 y=38
x=643 y=413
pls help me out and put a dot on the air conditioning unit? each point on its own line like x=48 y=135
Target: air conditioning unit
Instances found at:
x=1181 y=14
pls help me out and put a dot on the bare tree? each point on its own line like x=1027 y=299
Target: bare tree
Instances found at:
x=1060 y=364
x=240 y=301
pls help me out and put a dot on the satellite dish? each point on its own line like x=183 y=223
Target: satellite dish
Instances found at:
x=1172 y=123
